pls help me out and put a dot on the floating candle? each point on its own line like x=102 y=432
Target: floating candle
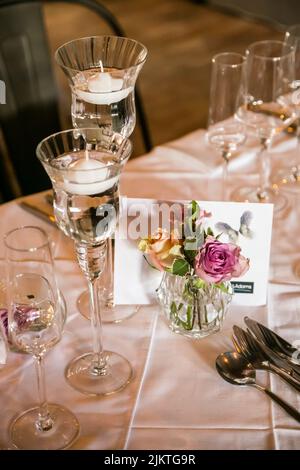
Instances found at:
x=101 y=88
x=103 y=82
x=88 y=176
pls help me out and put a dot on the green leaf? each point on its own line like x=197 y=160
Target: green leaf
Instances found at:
x=180 y=267
x=190 y=250
x=195 y=210
x=222 y=287
x=190 y=256
x=189 y=318
x=198 y=283
x=173 y=309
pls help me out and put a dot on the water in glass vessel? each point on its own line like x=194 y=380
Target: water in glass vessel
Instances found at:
x=102 y=72
x=86 y=209
x=99 y=99
x=85 y=167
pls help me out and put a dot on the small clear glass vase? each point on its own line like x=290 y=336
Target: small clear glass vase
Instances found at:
x=193 y=308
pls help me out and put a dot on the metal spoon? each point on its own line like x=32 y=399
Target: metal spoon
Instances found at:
x=234 y=368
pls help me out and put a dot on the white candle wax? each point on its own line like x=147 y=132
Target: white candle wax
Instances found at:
x=87 y=177
x=102 y=88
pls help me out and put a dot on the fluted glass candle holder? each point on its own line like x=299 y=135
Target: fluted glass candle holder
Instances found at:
x=102 y=72
x=84 y=167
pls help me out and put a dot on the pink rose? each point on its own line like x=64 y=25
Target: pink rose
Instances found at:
x=217 y=262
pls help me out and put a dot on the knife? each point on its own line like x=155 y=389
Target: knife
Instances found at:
x=42 y=214
x=270 y=338
x=272 y=356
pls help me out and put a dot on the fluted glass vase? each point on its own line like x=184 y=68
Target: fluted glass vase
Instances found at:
x=193 y=308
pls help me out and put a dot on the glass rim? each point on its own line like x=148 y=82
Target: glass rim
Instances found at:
x=125 y=140
x=30 y=249
x=266 y=57
x=224 y=64
x=58 y=61
x=292 y=28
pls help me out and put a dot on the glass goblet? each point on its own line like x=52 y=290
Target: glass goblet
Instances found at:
x=269 y=72
x=85 y=167
x=36 y=318
x=288 y=177
x=102 y=72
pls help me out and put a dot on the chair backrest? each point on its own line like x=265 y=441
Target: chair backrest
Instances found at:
x=31 y=109
x=30 y=112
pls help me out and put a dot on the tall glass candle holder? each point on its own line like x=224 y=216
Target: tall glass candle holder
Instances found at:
x=102 y=72
x=84 y=167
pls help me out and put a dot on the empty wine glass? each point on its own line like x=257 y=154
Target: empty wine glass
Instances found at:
x=225 y=133
x=102 y=72
x=269 y=73
x=289 y=176
x=36 y=317
x=85 y=167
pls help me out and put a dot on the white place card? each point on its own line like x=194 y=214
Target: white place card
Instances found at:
x=136 y=282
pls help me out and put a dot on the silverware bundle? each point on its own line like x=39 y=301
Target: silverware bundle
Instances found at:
x=259 y=348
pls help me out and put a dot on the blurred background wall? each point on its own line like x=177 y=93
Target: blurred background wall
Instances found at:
x=181 y=36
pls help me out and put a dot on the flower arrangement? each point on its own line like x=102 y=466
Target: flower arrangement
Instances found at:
x=196 y=251
x=205 y=265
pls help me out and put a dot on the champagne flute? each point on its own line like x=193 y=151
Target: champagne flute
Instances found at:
x=84 y=166
x=224 y=132
x=269 y=73
x=102 y=72
x=36 y=316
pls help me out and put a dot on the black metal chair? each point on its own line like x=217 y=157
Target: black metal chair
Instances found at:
x=31 y=109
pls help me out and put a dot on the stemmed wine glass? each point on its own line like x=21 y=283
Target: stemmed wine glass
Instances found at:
x=269 y=73
x=224 y=132
x=84 y=166
x=102 y=71
x=36 y=316
x=289 y=176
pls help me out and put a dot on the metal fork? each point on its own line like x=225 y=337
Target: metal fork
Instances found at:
x=279 y=345
x=267 y=354
x=251 y=350
x=279 y=360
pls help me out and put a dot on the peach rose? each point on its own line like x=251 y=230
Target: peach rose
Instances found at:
x=162 y=248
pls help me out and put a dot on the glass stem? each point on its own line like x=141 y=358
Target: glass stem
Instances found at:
x=296 y=167
x=91 y=259
x=99 y=360
x=226 y=156
x=265 y=168
x=44 y=422
x=109 y=274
